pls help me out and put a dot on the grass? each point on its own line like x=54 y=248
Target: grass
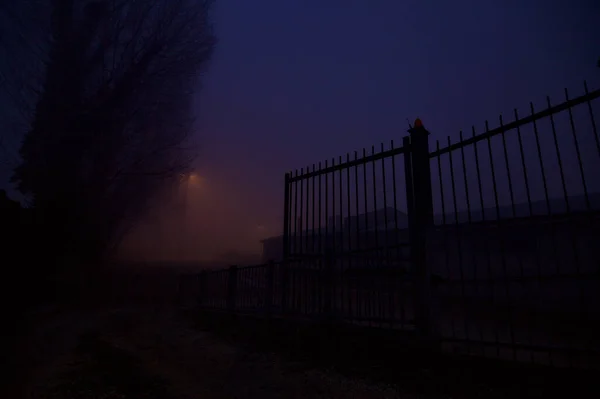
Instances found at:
x=378 y=356
x=105 y=371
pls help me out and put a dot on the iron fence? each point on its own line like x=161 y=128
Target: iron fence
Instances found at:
x=514 y=241
x=487 y=246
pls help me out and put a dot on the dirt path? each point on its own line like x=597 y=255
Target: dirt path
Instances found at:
x=142 y=353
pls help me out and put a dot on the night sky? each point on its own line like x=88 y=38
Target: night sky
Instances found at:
x=294 y=82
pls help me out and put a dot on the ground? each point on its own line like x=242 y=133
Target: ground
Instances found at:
x=152 y=353
x=161 y=352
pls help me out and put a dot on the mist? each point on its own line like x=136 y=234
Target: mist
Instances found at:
x=206 y=219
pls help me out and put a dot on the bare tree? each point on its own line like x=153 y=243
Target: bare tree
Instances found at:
x=114 y=116
x=23 y=43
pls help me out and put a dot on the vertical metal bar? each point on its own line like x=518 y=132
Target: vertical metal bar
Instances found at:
x=579 y=161
x=514 y=213
x=339 y=279
x=300 y=218
x=332 y=290
x=365 y=187
x=358 y=246
x=470 y=234
x=493 y=172
x=459 y=246
x=376 y=273
x=321 y=249
x=333 y=210
x=502 y=244
x=410 y=211
x=313 y=252
x=270 y=288
x=286 y=217
x=243 y=277
x=293 y=278
x=326 y=209
x=387 y=261
x=592 y=119
x=479 y=185
x=293 y=287
x=260 y=287
x=546 y=191
x=485 y=240
x=325 y=265
x=523 y=164
x=232 y=288
x=597 y=140
x=375 y=200
x=320 y=213
x=508 y=175
x=249 y=284
x=530 y=207
x=241 y=297
x=307 y=260
x=368 y=241
x=559 y=158
x=341 y=222
x=583 y=312
x=305 y=285
x=306 y=219
x=349 y=229
x=464 y=167
x=295 y=240
x=357 y=264
x=444 y=227
x=287 y=246
x=312 y=227
x=541 y=159
x=397 y=263
x=202 y=297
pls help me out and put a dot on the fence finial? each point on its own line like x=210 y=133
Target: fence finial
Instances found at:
x=418 y=127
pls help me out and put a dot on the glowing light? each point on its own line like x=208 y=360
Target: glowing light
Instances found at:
x=190 y=178
x=418 y=123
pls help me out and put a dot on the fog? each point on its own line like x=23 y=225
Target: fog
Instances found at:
x=206 y=219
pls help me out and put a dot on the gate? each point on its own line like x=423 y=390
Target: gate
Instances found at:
x=487 y=246
x=354 y=229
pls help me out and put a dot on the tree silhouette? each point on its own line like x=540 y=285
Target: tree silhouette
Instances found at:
x=113 y=118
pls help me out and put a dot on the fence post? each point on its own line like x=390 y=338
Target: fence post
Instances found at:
x=286 y=218
x=179 y=290
x=328 y=284
x=202 y=287
x=270 y=288
x=286 y=244
x=420 y=224
x=232 y=287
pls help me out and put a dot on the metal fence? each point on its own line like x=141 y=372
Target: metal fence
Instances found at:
x=487 y=246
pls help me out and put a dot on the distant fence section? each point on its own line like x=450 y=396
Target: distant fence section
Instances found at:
x=486 y=246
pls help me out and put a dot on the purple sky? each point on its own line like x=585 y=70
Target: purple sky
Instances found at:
x=294 y=82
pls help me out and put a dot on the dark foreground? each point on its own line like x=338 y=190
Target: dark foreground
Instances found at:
x=150 y=352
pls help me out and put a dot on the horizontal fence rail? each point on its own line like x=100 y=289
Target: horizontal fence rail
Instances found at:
x=517 y=220
x=348 y=204
x=486 y=246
